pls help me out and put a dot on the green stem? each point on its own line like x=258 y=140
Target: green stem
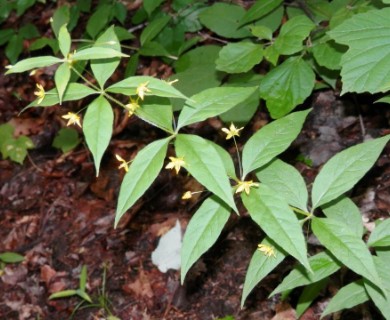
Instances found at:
x=238 y=156
x=307 y=214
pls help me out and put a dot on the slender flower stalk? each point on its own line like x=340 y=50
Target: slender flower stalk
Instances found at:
x=231 y=133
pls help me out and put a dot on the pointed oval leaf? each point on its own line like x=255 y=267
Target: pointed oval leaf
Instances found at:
x=277 y=220
x=97 y=128
x=11 y=257
x=258 y=10
x=322 y=264
x=153 y=29
x=260 y=266
x=380 y=237
x=203 y=231
x=61 y=79
x=271 y=140
x=142 y=172
x=64 y=40
x=287 y=86
x=345 y=169
x=309 y=294
x=63 y=294
x=239 y=57
x=285 y=180
x=226 y=159
x=347 y=247
x=157 y=87
x=157 y=115
x=347 y=297
x=212 y=102
x=33 y=63
x=205 y=165
x=97 y=53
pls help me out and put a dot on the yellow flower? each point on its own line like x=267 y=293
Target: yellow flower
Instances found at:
x=132 y=106
x=72 y=118
x=123 y=164
x=266 y=250
x=40 y=93
x=245 y=186
x=176 y=163
x=142 y=89
x=187 y=195
x=232 y=131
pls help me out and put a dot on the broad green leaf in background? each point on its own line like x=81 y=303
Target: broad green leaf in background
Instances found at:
x=272 y=20
x=151 y=5
x=347 y=247
x=205 y=165
x=153 y=29
x=286 y=181
x=322 y=264
x=309 y=293
x=239 y=57
x=66 y=139
x=202 y=231
x=270 y=211
x=347 y=297
x=142 y=172
x=271 y=140
x=260 y=266
x=258 y=10
x=33 y=63
x=345 y=169
x=366 y=65
x=198 y=57
x=97 y=128
x=287 y=86
x=64 y=40
x=345 y=210
x=380 y=237
x=97 y=53
x=157 y=87
x=103 y=69
x=61 y=79
x=227 y=23
x=212 y=102
x=74 y=91
x=261 y=32
x=153 y=49
x=157 y=115
x=328 y=54
x=292 y=34
x=16 y=149
x=60 y=17
x=11 y=257
x=98 y=20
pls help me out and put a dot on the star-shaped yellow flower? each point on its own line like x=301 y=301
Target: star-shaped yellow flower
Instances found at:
x=266 y=250
x=132 y=106
x=123 y=164
x=245 y=186
x=232 y=131
x=142 y=89
x=40 y=93
x=176 y=163
x=72 y=118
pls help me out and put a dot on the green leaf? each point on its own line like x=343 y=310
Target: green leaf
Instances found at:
x=61 y=79
x=83 y=278
x=151 y=5
x=261 y=32
x=60 y=17
x=239 y=57
x=5 y=35
x=29 y=31
x=366 y=65
x=153 y=49
x=347 y=247
x=260 y=266
x=6 y=132
x=82 y=294
x=328 y=54
x=66 y=139
x=346 y=211
x=205 y=165
x=99 y=19
x=202 y=231
x=74 y=91
x=157 y=115
x=286 y=181
x=33 y=63
x=212 y=102
x=345 y=169
x=64 y=40
x=97 y=53
x=97 y=128
x=153 y=29
x=103 y=69
x=142 y=172
x=14 y=48
x=157 y=87
x=226 y=159
x=16 y=149
x=271 y=140
x=309 y=294
x=380 y=237
x=63 y=294
x=11 y=257
x=198 y=57
x=270 y=211
x=347 y=297
x=227 y=23
x=287 y=86
x=259 y=10
x=292 y=34
x=322 y=264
